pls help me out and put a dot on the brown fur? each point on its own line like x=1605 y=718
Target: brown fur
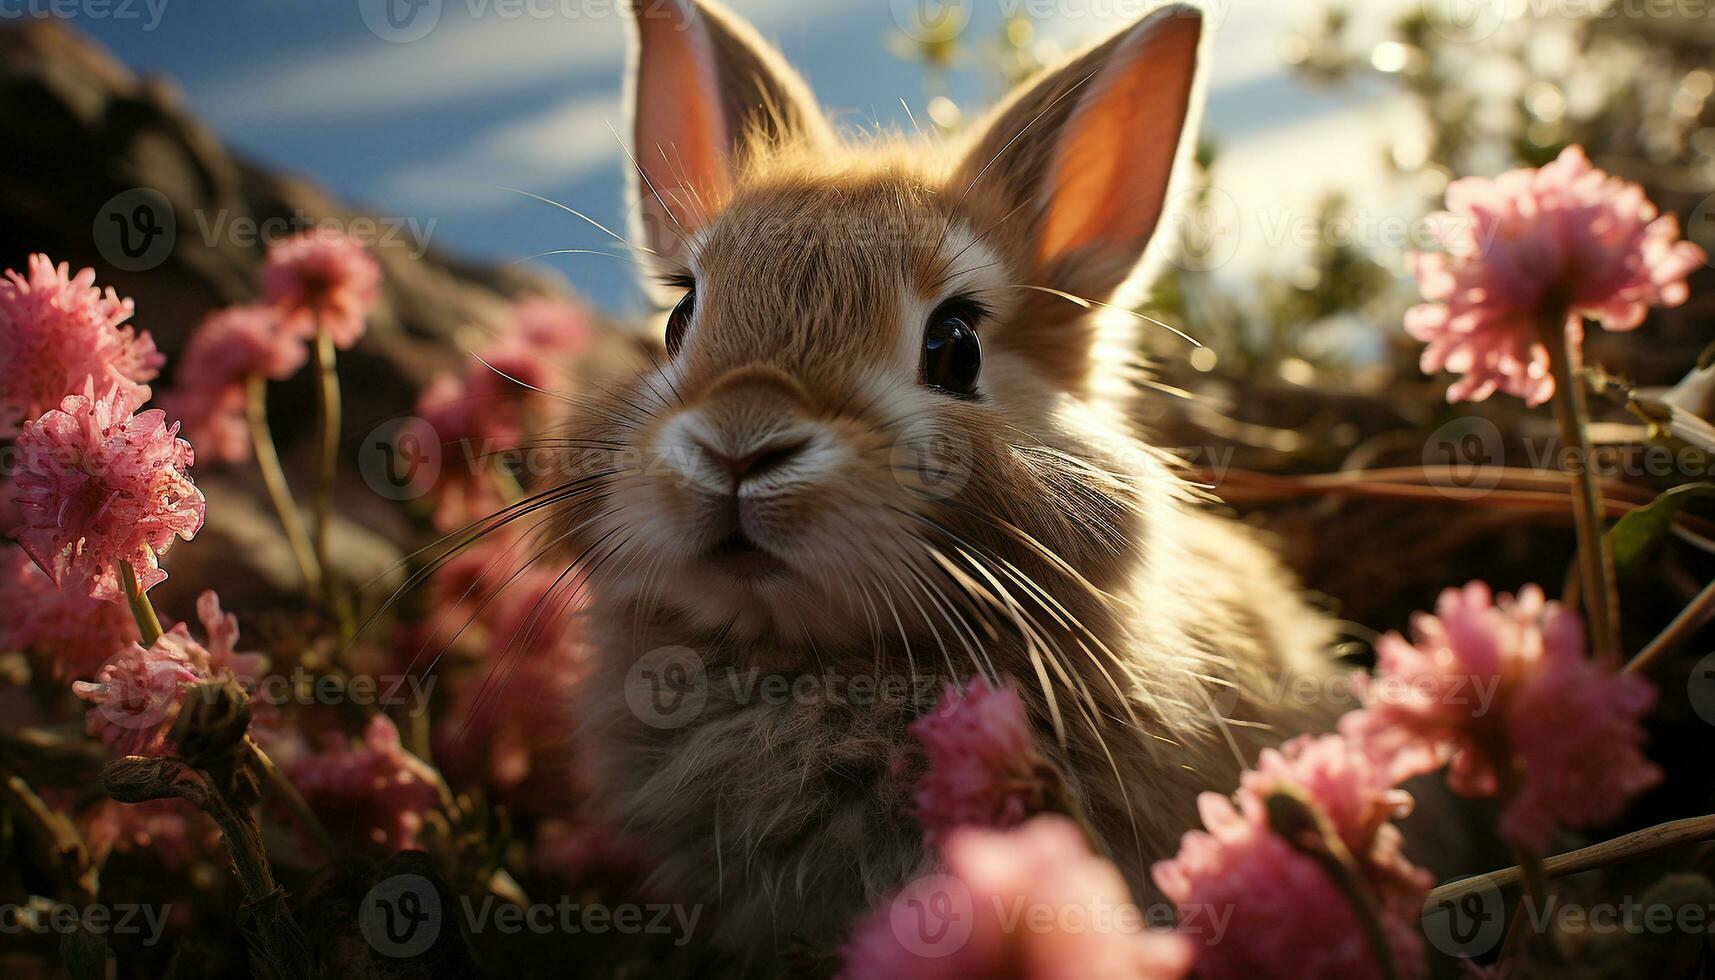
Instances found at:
x=1145 y=633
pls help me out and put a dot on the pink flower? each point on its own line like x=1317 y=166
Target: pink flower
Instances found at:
x=77 y=632
x=1031 y=903
x=551 y=326
x=983 y=766
x=139 y=693
x=1501 y=689
x=171 y=832
x=322 y=280
x=137 y=697
x=228 y=348
x=1567 y=235
x=1575 y=734
x=99 y=485
x=220 y=652
x=57 y=330
x=1255 y=908
x=1360 y=801
x=505 y=726
x=371 y=791
x=469 y=426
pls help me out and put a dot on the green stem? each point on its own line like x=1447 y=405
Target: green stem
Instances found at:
x=142 y=610
x=1572 y=413
x=330 y=406
x=274 y=478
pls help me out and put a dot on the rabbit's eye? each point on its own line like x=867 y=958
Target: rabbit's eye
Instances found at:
x=679 y=320
x=952 y=355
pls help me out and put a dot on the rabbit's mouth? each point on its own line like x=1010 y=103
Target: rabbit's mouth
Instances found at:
x=739 y=555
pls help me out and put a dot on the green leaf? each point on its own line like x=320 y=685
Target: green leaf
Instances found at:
x=1635 y=535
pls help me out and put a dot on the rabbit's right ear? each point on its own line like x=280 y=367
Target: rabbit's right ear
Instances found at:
x=1086 y=154
x=705 y=93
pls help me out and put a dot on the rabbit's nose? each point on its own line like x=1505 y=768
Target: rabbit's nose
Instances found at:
x=757 y=460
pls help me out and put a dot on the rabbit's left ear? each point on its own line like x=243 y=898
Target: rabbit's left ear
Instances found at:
x=1086 y=154
x=705 y=91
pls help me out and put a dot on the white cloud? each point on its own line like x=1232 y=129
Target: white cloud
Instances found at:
x=546 y=149
x=474 y=49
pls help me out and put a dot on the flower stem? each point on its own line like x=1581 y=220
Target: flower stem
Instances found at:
x=274 y=478
x=266 y=913
x=1307 y=831
x=1629 y=847
x=142 y=610
x=295 y=801
x=1690 y=619
x=1572 y=413
x=330 y=406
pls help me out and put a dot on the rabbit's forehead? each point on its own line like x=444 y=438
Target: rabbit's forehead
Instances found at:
x=822 y=274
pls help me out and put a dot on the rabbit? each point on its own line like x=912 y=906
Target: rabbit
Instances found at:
x=884 y=449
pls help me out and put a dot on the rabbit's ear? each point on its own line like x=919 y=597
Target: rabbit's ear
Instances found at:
x=1086 y=154
x=705 y=91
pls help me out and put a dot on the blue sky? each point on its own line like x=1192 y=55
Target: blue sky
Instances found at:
x=521 y=93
